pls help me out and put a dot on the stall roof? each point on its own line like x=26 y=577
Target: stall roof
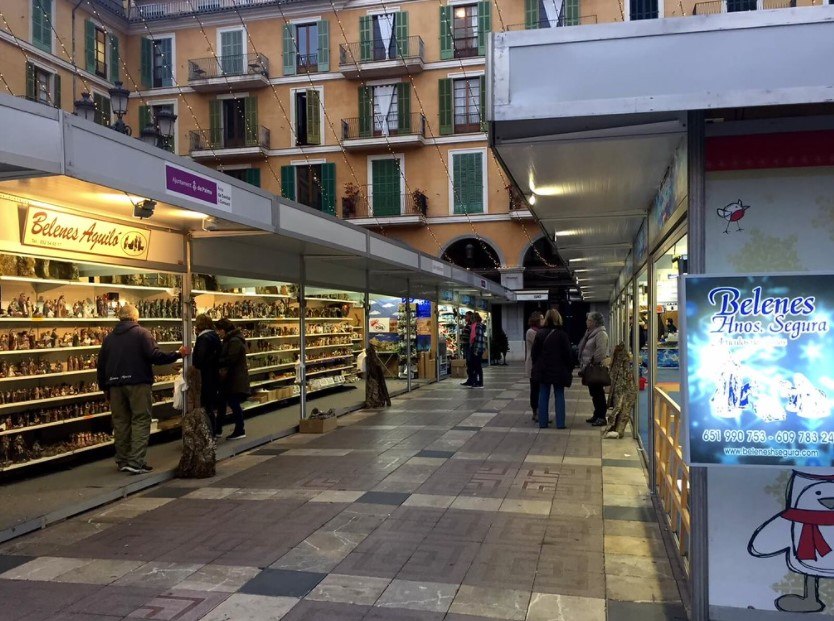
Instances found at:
x=52 y=156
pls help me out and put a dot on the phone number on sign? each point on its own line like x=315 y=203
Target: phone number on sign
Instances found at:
x=759 y=436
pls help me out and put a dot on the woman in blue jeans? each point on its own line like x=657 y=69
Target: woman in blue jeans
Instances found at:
x=552 y=367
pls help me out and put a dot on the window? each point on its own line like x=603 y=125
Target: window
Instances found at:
x=385 y=110
x=249 y=175
x=461 y=105
x=386 y=189
x=306 y=47
x=231 y=52
x=307 y=40
x=468 y=182
x=102 y=104
x=233 y=123
x=42 y=24
x=734 y=6
x=383 y=37
x=157 y=62
x=465 y=30
x=313 y=185
x=100 y=53
x=645 y=9
x=543 y=13
x=43 y=86
x=307 y=117
x=148 y=115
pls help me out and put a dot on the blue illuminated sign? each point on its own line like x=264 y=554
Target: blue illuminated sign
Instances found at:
x=758 y=369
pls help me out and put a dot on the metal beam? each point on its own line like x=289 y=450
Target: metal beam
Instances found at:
x=596 y=216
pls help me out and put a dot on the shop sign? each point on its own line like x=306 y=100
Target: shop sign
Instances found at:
x=204 y=190
x=446 y=295
x=437 y=268
x=56 y=230
x=483 y=283
x=759 y=369
x=423 y=327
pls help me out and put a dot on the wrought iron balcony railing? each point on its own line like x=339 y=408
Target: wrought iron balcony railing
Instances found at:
x=379 y=126
x=203 y=141
x=178 y=8
x=228 y=66
x=712 y=7
x=376 y=51
x=388 y=206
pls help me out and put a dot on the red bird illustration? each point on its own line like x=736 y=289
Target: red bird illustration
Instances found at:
x=733 y=212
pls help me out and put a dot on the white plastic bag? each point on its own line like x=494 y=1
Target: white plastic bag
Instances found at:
x=179 y=392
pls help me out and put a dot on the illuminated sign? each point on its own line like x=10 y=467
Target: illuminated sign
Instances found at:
x=47 y=228
x=183 y=182
x=759 y=369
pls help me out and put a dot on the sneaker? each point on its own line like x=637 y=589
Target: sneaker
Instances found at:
x=146 y=468
x=590 y=420
x=125 y=469
x=237 y=435
x=477 y=385
x=133 y=470
x=598 y=422
x=466 y=383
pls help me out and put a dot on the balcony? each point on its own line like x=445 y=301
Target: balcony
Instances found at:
x=367 y=133
x=238 y=71
x=360 y=210
x=371 y=59
x=202 y=147
x=178 y=8
x=735 y=6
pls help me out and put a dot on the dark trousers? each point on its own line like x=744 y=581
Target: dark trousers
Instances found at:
x=209 y=402
x=597 y=393
x=544 y=401
x=476 y=366
x=534 y=395
x=233 y=402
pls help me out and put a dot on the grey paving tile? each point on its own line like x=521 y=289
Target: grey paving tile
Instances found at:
x=113 y=600
x=270 y=451
x=436 y=454
x=308 y=610
x=401 y=614
x=384 y=498
x=466 y=428
x=631 y=611
x=167 y=491
x=10 y=561
x=635 y=514
x=623 y=463
x=282 y=583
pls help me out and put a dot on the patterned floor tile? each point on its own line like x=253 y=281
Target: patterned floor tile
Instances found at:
x=101 y=571
x=179 y=605
x=222 y=578
x=440 y=561
x=429 y=596
x=383 y=498
x=44 y=568
x=308 y=610
x=245 y=607
x=429 y=500
x=360 y=590
x=504 y=566
x=473 y=503
x=547 y=607
x=491 y=603
x=114 y=600
x=282 y=583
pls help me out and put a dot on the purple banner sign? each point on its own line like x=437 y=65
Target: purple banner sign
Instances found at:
x=183 y=182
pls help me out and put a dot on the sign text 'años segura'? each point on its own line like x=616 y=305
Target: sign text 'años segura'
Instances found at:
x=47 y=228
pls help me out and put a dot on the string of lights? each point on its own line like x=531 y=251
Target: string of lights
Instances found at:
x=22 y=51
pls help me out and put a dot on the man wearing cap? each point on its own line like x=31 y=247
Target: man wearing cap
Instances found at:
x=125 y=375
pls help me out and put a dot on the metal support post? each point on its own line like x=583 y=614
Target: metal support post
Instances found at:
x=186 y=303
x=367 y=310
x=437 y=333
x=302 y=335
x=408 y=333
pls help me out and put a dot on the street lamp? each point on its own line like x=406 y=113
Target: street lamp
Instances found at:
x=165 y=120
x=118 y=104
x=150 y=135
x=85 y=108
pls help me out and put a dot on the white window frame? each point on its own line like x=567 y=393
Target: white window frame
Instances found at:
x=218 y=48
x=175 y=104
x=484 y=175
x=389 y=156
x=51 y=23
x=52 y=73
x=159 y=37
x=300 y=21
x=385 y=11
x=293 y=134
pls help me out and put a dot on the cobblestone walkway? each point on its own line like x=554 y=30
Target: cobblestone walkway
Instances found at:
x=449 y=505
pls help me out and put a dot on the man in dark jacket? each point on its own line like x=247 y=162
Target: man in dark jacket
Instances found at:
x=465 y=334
x=234 y=376
x=206 y=360
x=125 y=375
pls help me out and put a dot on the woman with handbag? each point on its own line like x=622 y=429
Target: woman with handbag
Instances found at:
x=593 y=350
x=234 y=376
x=534 y=325
x=552 y=367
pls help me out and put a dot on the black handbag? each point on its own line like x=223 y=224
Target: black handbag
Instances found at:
x=596 y=375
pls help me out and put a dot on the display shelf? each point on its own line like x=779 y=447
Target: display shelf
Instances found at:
x=49 y=283
x=294 y=319
x=68 y=398
x=329 y=346
x=56 y=350
x=269 y=338
x=268 y=296
x=46 y=375
x=336 y=300
x=272 y=380
x=269 y=352
x=60 y=320
x=273 y=367
x=67 y=421
x=320 y=360
x=329 y=370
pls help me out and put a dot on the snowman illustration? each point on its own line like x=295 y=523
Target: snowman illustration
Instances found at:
x=804 y=533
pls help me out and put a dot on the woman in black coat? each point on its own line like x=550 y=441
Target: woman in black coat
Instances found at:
x=234 y=376
x=206 y=359
x=552 y=366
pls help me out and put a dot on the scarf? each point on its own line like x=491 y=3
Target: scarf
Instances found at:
x=811 y=540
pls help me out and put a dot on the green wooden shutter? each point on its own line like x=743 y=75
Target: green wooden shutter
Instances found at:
x=102 y=114
x=401 y=24
x=366 y=37
x=366 y=111
x=144 y=117
x=90 y=45
x=313 y=117
x=468 y=183
x=231 y=52
x=324 y=45
x=56 y=90
x=447 y=107
x=288 y=182
x=328 y=188
x=482 y=104
x=484 y=25
x=253 y=176
x=404 y=107
x=250 y=110
x=447 y=51
x=289 y=49
x=385 y=184
x=42 y=24
x=215 y=125
x=31 y=82
x=115 y=60
x=531 y=14
x=146 y=68
x=571 y=16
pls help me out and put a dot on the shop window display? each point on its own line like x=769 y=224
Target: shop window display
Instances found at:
x=643 y=357
x=667 y=270
x=54 y=316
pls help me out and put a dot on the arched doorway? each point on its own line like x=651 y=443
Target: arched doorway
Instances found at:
x=476 y=255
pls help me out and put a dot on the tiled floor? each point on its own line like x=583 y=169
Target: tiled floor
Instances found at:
x=449 y=505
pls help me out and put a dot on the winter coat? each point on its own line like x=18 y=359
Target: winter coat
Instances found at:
x=127 y=356
x=206 y=359
x=593 y=348
x=479 y=344
x=234 y=374
x=552 y=360
x=529 y=337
